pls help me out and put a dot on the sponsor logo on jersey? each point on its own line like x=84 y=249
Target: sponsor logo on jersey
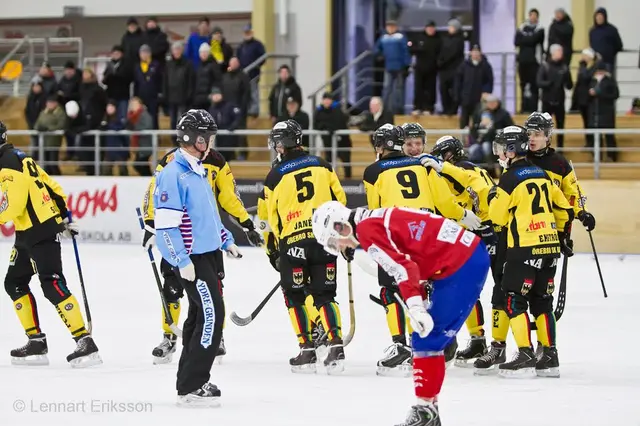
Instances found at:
x=293 y=215
x=298 y=275
x=13 y=257
x=551 y=286
x=209 y=313
x=535 y=226
x=548 y=238
x=331 y=271
x=18 y=306
x=417 y=229
x=5 y=203
x=526 y=287
x=297 y=252
x=68 y=306
x=164 y=197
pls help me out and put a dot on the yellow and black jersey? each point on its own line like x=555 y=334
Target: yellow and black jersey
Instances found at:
x=33 y=201
x=220 y=178
x=401 y=181
x=271 y=242
x=532 y=209
x=563 y=176
x=470 y=186
x=293 y=189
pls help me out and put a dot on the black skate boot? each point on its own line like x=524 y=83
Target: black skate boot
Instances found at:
x=207 y=396
x=397 y=361
x=305 y=362
x=163 y=353
x=318 y=335
x=222 y=351
x=450 y=352
x=548 y=365
x=86 y=353
x=488 y=363
x=33 y=353
x=423 y=415
x=335 y=358
x=539 y=351
x=523 y=365
x=475 y=349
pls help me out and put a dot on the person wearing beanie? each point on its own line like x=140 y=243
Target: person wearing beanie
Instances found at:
x=286 y=87
x=117 y=78
x=425 y=47
x=157 y=40
x=131 y=41
x=147 y=82
x=52 y=119
x=196 y=40
x=449 y=60
x=580 y=99
x=603 y=93
x=554 y=78
x=473 y=82
x=69 y=83
x=605 y=39
x=393 y=48
x=207 y=76
x=561 y=32
x=529 y=40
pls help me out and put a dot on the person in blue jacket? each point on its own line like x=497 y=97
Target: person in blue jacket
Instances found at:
x=394 y=49
x=188 y=232
x=604 y=38
x=196 y=39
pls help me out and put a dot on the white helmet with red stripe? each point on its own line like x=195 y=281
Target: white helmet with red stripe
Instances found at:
x=330 y=222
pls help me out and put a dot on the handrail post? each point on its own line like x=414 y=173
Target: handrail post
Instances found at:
x=334 y=150
x=96 y=154
x=41 y=148
x=596 y=154
x=154 y=151
x=503 y=80
x=45 y=51
x=80 y=51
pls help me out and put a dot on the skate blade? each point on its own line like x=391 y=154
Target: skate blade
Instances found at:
x=448 y=364
x=218 y=360
x=304 y=369
x=31 y=360
x=553 y=372
x=491 y=371
x=523 y=373
x=86 y=361
x=192 y=401
x=400 y=371
x=465 y=363
x=335 y=367
x=159 y=360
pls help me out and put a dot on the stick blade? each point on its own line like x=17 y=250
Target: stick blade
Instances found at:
x=238 y=320
x=176 y=330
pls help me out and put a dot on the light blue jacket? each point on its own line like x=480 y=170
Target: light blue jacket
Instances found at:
x=186 y=213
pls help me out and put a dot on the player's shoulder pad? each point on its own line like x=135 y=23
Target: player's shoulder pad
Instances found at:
x=168 y=157
x=465 y=164
x=214 y=158
x=510 y=180
x=12 y=158
x=371 y=173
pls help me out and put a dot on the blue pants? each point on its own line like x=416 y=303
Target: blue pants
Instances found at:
x=451 y=302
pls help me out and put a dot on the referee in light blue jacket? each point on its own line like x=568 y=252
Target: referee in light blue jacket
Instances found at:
x=188 y=232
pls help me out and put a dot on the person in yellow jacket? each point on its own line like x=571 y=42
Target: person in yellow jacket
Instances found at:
x=223 y=186
x=36 y=204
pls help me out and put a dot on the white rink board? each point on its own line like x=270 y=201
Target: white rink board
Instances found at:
x=597 y=340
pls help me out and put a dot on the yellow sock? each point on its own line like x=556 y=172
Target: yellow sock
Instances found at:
x=174 y=311
x=408 y=325
x=396 y=320
x=546 y=329
x=27 y=312
x=69 y=311
x=301 y=323
x=475 y=320
x=521 y=330
x=331 y=320
x=500 y=325
x=313 y=312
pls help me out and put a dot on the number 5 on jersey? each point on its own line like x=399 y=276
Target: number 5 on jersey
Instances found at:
x=305 y=188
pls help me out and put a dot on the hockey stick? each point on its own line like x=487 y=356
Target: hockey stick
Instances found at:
x=352 y=309
x=84 y=292
x=240 y=321
x=165 y=306
x=562 y=292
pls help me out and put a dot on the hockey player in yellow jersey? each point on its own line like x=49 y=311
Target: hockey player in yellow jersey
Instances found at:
x=293 y=189
x=36 y=204
x=396 y=180
x=223 y=186
x=537 y=217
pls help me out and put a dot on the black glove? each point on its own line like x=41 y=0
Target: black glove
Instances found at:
x=587 y=219
x=492 y=193
x=149 y=236
x=348 y=254
x=254 y=237
x=566 y=244
x=274 y=259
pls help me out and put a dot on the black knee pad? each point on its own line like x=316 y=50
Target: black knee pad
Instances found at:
x=54 y=288
x=516 y=304
x=498 y=297
x=323 y=298
x=387 y=295
x=541 y=305
x=172 y=289
x=14 y=289
x=294 y=297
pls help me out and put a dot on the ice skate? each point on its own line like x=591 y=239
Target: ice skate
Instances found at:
x=33 y=353
x=523 y=365
x=319 y=338
x=335 y=358
x=475 y=349
x=539 y=351
x=208 y=396
x=397 y=361
x=222 y=351
x=163 y=353
x=450 y=353
x=488 y=363
x=305 y=362
x=548 y=365
x=86 y=353
x=422 y=415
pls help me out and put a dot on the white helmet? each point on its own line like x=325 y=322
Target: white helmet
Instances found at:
x=324 y=223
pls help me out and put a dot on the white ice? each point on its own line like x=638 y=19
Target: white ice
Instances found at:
x=597 y=342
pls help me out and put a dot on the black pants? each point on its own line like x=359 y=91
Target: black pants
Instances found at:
x=557 y=110
x=52 y=156
x=528 y=74
x=202 y=330
x=584 y=113
x=344 y=153
x=447 y=95
x=175 y=112
x=87 y=154
x=529 y=287
x=466 y=112
x=424 y=90
x=172 y=288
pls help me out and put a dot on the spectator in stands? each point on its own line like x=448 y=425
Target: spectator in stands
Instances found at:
x=93 y=102
x=52 y=119
x=138 y=119
x=635 y=107
x=605 y=39
x=207 y=76
x=426 y=48
x=36 y=100
x=47 y=79
x=117 y=145
x=529 y=39
x=221 y=51
x=157 y=40
x=179 y=79
x=473 y=79
x=330 y=117
x=69 y=83
x=554 y=78
x=117 y=78
x=561 y=32
x=249 y=51
x=295 y=113
x=449 y=60
x=393 y=48
x=131 y=41
x=196 y=40
x=602 y=105
x=376 y=116
x=286 y=87
x=490 y=118
x=236 y=87
x=147 y=83
x=228 y=117
x=581 y=96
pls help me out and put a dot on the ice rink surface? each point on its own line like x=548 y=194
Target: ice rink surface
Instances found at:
x=597 y=338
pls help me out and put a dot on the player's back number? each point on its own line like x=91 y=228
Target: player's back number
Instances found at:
x=408 y=180
x=304 y=187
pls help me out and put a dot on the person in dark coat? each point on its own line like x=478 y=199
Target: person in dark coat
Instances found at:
x=147 y=82
x=529 y=39
x=295 y=113
x=221 y=51
x=426 y=48
x=93 y=103
x=487 y=120
x=207 y=76
x=554 y=78
x=235 y=86
x=329 y=117
x=157 y=40
x=118 y=145
x=581 y=97
x=604 y=92
x=249 y=51
x=196 y=40
x=474 y=78
x=47 y=79
x=131 y=42
x=605 y=39
x=52 y=119
x=449 y=60
x=561 y=32
x=117 y=78
x=69 y=83
x=178 y=82
x=227 y=117
x=375 y=117
x=286 y=87
x=36 y=101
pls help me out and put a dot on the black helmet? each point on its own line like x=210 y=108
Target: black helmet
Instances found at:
x=449 y=144
x=512 y=139
x=413 y=131
x=195 y=124
x=287 y=133
x=3 y=133
x=539 y=121
x=296 y=127
x=389 y=137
